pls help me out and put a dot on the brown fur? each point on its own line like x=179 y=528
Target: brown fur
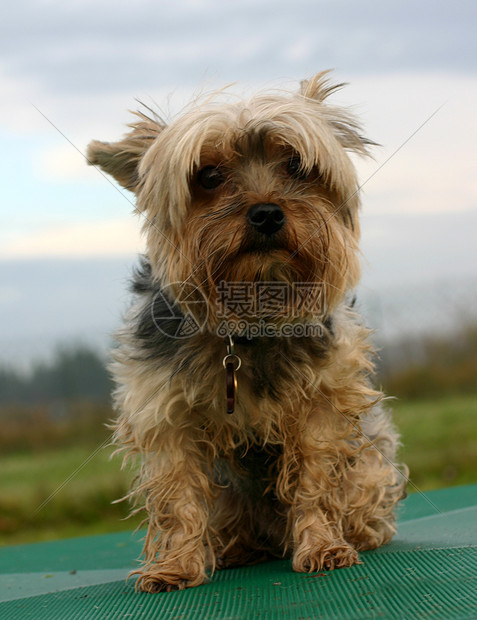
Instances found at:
x=304 y=466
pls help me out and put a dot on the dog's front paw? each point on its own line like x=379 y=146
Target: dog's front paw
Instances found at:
x=155 y=583
x=158 y=579
x=309 y=560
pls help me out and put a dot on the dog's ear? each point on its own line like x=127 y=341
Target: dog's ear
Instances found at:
x=346 y=128
x=318 y=87
x=121 y=159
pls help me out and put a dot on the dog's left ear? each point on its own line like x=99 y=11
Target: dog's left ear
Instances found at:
x=121 y=159
x=346 y=128
x=318 y=87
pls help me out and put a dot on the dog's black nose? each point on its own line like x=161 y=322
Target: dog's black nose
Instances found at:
x=266 y=218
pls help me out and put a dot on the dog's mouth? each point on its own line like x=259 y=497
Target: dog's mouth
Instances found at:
x=257 y=243
x=271 y=260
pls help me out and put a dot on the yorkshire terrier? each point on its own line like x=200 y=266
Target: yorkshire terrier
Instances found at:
x=243 y=371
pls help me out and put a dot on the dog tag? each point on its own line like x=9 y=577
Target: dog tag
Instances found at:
x=231 y=381
x=231 y=363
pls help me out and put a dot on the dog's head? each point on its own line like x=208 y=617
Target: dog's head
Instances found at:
x=261 y=190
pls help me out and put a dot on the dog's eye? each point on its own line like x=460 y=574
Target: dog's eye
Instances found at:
x=210 y=177
x=295 y=169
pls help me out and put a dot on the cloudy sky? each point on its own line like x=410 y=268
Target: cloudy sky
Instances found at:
x=69 y=71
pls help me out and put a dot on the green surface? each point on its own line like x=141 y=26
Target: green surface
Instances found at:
x=429 y=570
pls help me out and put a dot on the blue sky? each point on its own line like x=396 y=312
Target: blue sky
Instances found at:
x=84 y=63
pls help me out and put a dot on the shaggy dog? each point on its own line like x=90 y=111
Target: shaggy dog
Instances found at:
x=243 y=371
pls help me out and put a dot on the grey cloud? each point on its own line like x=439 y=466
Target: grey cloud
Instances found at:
x=79 y=48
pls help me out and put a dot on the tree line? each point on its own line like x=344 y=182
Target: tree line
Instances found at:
x=74 y=374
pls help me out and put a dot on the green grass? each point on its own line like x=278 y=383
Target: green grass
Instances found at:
x=440 y=447
x=439 y=439
x=60 y=493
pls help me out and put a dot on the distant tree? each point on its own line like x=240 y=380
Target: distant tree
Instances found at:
x=436 y=364
x=74 y=374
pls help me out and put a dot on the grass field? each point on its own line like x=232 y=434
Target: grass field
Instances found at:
x=439 y=440
x=440 y=447
x=60 y=493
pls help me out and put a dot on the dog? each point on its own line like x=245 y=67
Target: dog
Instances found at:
x=243 y=371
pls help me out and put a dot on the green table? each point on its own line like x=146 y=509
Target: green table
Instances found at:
x=428 y=571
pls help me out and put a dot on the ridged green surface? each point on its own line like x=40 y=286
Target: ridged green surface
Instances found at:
x=429 y=571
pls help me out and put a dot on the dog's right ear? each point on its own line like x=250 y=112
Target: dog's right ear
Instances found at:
x=121 y=159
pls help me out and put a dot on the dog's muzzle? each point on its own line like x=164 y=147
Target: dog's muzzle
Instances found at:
x=266 y=218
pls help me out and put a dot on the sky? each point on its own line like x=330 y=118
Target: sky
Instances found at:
x=70 y=71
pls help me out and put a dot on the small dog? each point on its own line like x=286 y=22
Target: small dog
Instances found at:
x=251 y=216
